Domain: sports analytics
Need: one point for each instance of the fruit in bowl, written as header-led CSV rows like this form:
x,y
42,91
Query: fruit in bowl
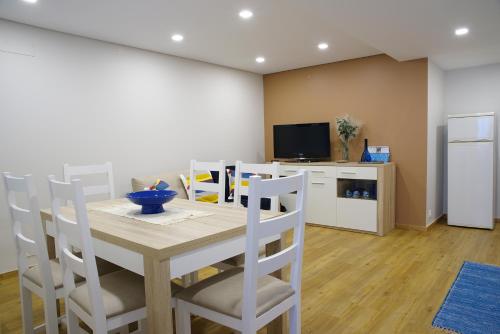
x,y
151,200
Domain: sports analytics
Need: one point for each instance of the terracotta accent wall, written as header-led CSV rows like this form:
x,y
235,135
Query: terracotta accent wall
x,y
388,97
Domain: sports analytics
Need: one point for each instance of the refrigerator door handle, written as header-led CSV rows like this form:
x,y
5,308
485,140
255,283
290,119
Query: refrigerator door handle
x,y
470,141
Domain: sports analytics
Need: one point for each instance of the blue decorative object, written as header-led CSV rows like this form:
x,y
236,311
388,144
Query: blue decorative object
x,y
162,185
365,157
366,194
348,193
151,200
159,185
380,153
473,301
356,194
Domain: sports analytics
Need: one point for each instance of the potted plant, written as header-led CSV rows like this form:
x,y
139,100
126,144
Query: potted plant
x,y
347,130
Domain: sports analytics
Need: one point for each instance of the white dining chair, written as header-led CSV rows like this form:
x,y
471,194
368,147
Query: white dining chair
x,y
107,190
193,186
106,303
45,278
218,188
241,188
70,172
246,299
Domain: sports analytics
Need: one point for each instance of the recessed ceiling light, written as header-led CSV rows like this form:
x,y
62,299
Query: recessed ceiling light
x,y
177,37
30,1
461,31
322,46
246,14
260,59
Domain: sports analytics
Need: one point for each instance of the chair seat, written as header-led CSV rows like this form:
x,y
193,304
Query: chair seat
x,y
33,274
122,292
224,293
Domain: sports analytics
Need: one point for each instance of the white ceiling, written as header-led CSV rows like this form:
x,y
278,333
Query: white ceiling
x,y
410,29
285,32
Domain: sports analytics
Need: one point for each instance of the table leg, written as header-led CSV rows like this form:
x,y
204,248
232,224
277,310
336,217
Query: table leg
x,y
158,295
277,325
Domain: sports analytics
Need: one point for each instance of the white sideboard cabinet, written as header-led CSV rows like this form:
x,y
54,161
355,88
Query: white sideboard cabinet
x,y
352,196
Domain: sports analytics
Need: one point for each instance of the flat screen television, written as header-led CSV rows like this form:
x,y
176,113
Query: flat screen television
x,y
309,141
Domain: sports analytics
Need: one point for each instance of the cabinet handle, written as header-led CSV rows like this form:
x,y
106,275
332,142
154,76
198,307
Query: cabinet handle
x,y
348,172
317,182
317,171
290,170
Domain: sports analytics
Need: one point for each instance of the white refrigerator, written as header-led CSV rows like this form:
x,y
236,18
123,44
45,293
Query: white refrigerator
x,y
471,170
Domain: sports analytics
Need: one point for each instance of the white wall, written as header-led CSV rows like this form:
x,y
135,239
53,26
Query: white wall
x,y
475,90
69,99
435,142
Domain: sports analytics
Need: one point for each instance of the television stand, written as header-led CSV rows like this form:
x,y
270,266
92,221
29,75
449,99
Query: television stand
x,y
351,196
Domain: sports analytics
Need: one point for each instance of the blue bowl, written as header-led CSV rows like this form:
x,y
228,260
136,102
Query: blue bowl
x,y
151,200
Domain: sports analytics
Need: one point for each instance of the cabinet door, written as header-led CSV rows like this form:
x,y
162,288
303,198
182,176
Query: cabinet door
x,y
322,201
357,214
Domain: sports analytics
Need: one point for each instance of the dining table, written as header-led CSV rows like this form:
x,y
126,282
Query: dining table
x,y
161,253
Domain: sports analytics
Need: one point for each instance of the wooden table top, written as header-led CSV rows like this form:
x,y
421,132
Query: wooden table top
x,y
164,241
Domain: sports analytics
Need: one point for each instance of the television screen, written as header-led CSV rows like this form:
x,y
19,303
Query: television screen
x,y
308,141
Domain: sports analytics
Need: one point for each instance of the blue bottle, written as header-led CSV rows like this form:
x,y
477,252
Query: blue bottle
x,y
365,157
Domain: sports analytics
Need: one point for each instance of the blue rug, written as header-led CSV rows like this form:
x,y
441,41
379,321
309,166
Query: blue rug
x,y
473,302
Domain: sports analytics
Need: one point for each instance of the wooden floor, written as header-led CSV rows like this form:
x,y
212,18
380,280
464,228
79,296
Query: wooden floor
x,y
356,283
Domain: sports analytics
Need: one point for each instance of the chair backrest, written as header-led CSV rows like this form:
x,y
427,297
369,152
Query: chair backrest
x,y
71,172
241,187
75,233
219,188
23,219
258,229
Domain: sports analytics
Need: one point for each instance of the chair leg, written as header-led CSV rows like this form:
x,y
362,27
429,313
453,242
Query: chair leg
x,y
249,330
59,307
294,319
51,318
142,326
193,277
186,281
190,279
72,322
26,310
182,318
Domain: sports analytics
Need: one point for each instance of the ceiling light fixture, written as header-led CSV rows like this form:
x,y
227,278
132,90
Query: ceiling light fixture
x,y
260,59
177,38
30,1
322,46
246,14
461,31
